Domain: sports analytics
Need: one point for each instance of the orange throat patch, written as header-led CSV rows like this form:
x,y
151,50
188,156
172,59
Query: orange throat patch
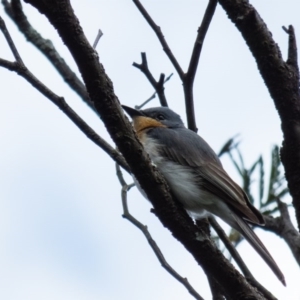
x,y
141,124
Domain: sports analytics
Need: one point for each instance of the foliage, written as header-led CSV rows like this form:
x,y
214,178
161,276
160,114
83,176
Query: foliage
x,y
255,178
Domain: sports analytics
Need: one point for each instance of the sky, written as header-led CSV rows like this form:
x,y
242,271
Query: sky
x,y
62,235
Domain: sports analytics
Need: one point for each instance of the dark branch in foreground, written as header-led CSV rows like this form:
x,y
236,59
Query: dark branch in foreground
x,y
282,81
152,243
61,15
15,11
158,85
236,256
216,290
19,67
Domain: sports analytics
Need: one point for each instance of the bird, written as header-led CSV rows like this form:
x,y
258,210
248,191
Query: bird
x,y
195,175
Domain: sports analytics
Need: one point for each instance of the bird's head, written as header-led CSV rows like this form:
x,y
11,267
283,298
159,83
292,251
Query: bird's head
x,y
153,117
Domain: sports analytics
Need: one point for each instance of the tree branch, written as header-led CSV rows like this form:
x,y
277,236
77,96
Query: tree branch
x,y
152,243
215,288
15,11
60,102
61,16
284,228
191,73
292,51
282,81
188,78
157,85
236,256
99,35
161,38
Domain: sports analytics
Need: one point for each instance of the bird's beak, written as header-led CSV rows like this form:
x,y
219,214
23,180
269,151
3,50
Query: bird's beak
x,y
133,113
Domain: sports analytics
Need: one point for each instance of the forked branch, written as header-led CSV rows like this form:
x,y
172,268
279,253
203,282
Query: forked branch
x,y
157,85
19,67
15,11
281,79
283,227
144,229
186,78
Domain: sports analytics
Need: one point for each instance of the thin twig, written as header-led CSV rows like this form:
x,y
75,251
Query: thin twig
x,y
146,101
19,67
15,11
292,51
229,246
99,35
188,78
10,42
236,256
158,85
215,287
161,38
208,15
145,231
191,73
152,96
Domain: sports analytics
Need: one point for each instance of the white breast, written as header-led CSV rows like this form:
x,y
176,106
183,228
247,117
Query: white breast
x,y
179,178
183,185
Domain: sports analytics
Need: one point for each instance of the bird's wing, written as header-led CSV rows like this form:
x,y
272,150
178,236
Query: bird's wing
x,y
214,179
189,149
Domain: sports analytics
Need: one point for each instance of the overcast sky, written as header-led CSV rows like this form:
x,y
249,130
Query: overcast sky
x,y
61,231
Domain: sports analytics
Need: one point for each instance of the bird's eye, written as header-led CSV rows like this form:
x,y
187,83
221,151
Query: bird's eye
x,y
160,117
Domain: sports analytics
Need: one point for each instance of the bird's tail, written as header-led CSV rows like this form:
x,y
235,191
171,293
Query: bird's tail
x,y
255,242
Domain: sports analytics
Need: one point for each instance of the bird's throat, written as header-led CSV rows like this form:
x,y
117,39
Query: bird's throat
x,y
142,123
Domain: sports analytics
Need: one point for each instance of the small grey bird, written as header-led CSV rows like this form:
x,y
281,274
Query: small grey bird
x,y
195,174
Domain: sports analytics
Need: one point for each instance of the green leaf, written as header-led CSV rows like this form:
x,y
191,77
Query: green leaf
x,y
261,179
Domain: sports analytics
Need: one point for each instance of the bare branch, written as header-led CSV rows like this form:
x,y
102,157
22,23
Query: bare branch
x,y
236,256
292,53
210,10
99,35
161,38
158,85
191,73
60,102
188,78
152,96
61,15
282,81
10,42
15,12
146,101
284,227
152,243
216,289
